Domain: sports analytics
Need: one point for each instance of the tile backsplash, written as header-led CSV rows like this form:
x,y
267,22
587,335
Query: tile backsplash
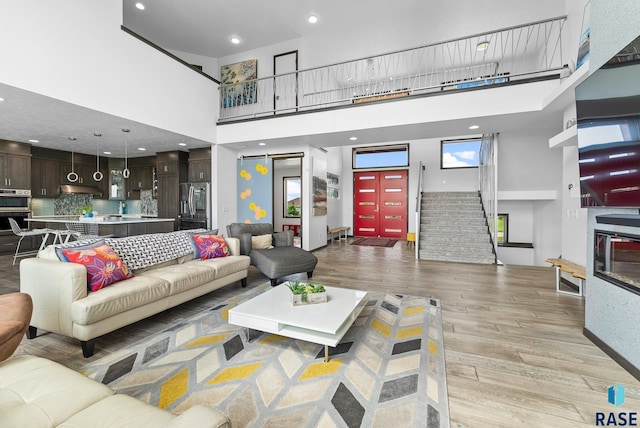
x,y
69,205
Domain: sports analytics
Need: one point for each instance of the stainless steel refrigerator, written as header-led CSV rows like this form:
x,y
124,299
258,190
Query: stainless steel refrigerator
x,y
195,206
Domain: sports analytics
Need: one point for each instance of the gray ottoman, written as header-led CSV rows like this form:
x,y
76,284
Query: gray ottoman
x,y
281,261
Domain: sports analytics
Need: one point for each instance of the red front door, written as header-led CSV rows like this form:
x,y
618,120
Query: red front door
x,y
380,204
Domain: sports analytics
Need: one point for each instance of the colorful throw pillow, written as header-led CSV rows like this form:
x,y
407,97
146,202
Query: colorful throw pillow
x,y
210,246
261,242
103,265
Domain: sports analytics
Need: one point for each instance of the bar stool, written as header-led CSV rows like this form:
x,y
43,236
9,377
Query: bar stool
x,y
15,228
60,236
84,230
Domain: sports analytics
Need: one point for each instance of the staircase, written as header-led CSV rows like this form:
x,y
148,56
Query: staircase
x,y
453,228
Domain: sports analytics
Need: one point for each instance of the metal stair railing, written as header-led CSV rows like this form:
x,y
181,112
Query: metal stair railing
x,y
418,217
488,184
481,60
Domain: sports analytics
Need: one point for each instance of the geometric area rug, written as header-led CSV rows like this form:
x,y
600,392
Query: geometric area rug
x,y
387,371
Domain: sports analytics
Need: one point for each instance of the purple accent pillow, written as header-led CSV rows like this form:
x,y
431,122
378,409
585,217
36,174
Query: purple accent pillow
x,y
210,246
103,265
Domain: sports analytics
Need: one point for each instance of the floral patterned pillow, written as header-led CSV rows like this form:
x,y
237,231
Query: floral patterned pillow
x,y
103,265
210,246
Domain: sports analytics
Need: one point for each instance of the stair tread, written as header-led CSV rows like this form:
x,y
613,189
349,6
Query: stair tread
x,y
453,227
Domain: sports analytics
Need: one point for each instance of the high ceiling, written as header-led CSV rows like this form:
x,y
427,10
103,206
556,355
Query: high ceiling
x,y
205,27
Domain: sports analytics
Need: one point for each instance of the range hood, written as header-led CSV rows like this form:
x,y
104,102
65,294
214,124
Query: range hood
x,y
79,189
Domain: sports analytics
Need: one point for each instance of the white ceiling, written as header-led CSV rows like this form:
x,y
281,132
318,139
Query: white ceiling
x,y
204,27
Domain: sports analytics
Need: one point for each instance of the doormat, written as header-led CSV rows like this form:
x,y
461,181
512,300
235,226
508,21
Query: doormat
x,y
375,242
388,370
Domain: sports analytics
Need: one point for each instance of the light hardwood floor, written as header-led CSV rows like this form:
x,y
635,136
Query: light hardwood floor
x,y
514,348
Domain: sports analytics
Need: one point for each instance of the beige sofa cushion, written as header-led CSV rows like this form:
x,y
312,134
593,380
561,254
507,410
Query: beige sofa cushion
x,y
118,298
224,266
182,277
36,392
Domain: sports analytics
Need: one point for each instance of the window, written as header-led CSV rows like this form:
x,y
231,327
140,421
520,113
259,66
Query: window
x,y
460,153
381,156
292,197
502,234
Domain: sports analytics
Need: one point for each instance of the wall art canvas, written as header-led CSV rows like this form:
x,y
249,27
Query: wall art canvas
x,y
319,168
238,86
255,190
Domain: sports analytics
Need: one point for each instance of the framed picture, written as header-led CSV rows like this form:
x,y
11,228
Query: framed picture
x,y
333,179
319,186
238,86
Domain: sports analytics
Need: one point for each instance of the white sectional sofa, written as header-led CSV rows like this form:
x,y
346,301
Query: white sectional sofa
x,y
165,270
38,393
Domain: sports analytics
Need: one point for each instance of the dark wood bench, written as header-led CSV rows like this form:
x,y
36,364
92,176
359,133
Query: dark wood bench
x,y
577,271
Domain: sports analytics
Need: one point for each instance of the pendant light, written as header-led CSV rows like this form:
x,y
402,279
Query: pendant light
x,y
97,176
72,177
125,171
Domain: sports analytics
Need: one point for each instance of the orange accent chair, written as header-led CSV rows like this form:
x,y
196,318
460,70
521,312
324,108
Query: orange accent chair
x,y
15,315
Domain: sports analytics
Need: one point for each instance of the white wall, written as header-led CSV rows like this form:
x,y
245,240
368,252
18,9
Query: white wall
x,y
75,51
224,187
368,36
315,229
209,65
527,167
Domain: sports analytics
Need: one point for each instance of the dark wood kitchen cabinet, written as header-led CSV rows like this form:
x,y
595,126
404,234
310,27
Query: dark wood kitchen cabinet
x,y
45,178
15,165
171,171
200,165
141,176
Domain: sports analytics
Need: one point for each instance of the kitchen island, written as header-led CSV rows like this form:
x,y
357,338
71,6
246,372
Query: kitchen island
x,y
112,225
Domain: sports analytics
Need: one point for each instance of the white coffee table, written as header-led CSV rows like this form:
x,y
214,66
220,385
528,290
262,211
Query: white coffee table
x,y
323,323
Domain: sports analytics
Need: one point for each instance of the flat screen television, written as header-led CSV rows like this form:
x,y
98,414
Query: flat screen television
x,y
608,116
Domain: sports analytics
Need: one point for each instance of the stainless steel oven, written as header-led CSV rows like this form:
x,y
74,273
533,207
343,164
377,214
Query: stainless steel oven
x,y
16,204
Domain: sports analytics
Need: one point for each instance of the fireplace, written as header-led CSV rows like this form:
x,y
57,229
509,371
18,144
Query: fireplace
x,y
616,259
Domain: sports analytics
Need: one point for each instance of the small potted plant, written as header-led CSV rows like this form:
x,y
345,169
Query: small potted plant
x,y
86,210
306,293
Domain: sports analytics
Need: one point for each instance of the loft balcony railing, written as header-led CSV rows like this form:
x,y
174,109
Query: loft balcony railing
x,y
483,60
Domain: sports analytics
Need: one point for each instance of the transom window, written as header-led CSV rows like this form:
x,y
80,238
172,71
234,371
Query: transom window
x,y
381,156
460,153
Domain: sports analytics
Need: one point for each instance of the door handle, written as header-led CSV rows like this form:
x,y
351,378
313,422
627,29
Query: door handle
x,y
377,208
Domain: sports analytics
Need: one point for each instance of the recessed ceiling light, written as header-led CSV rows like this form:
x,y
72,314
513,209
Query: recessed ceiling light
x,y
142,149
312,19
34,141
106,153
140,6
262,144
1,99
353,138
474,127
235,40
482,46
182,144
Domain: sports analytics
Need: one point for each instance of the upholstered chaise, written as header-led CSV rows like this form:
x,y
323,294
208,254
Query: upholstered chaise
x,y
281,260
